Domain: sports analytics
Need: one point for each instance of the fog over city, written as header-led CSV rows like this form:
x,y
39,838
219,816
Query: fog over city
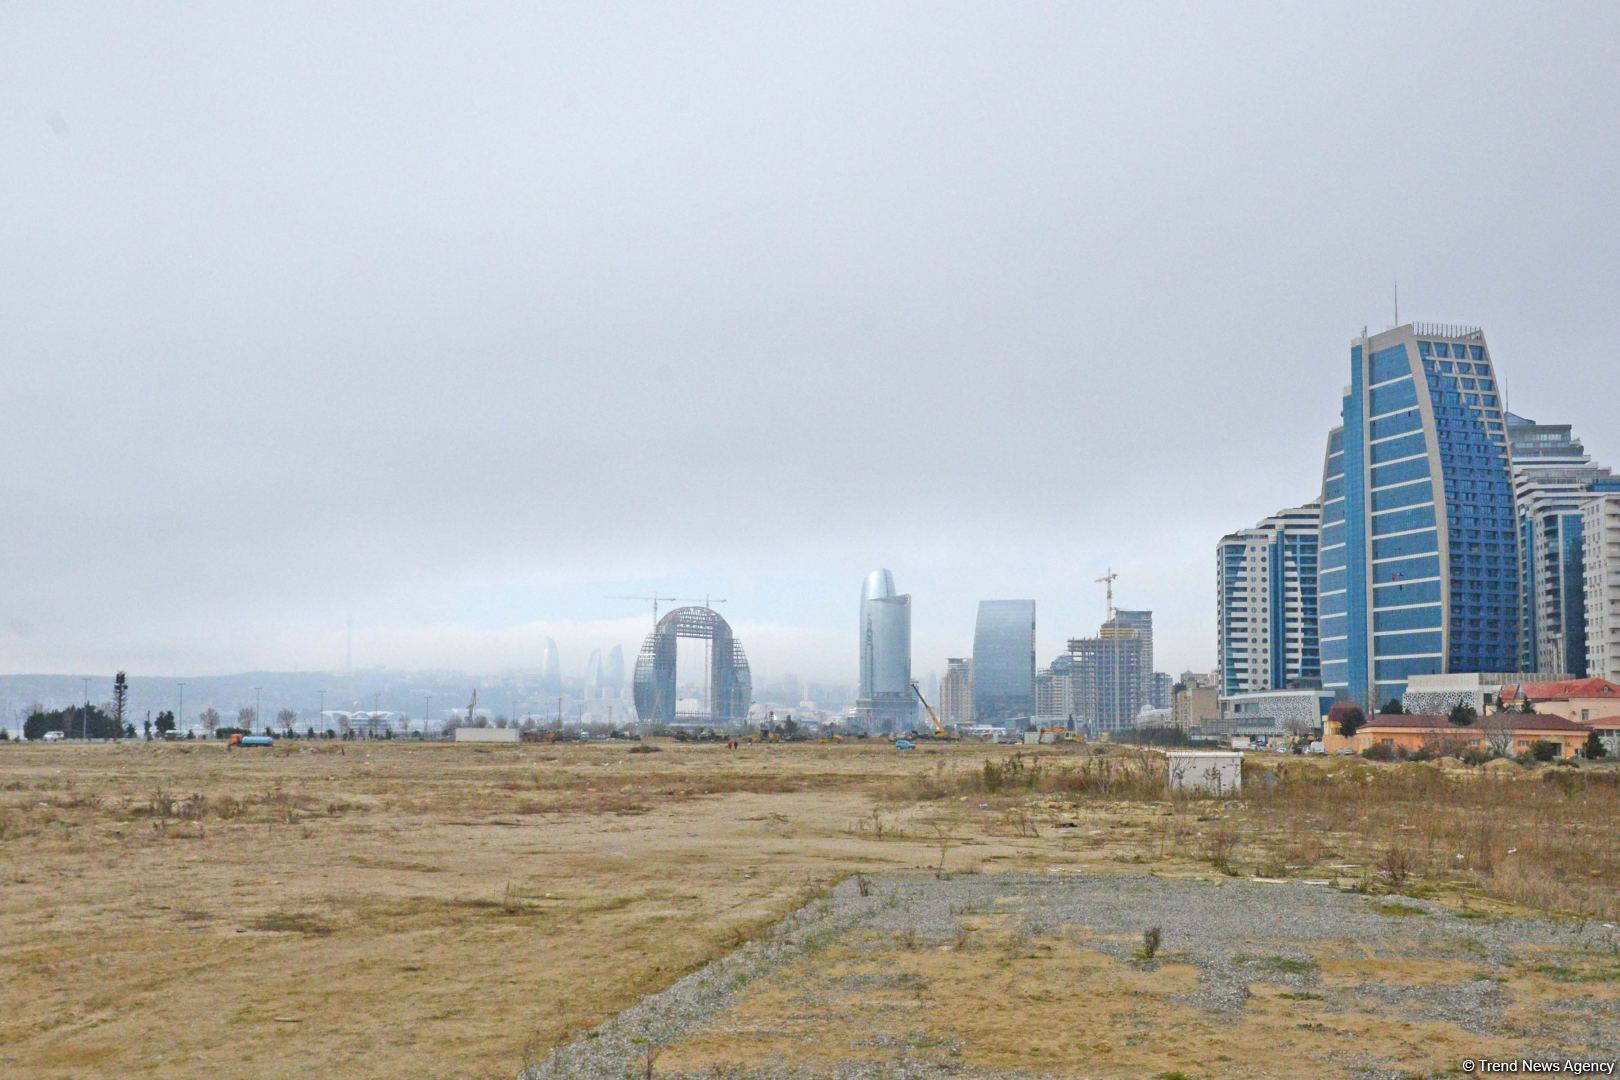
x,y
459,321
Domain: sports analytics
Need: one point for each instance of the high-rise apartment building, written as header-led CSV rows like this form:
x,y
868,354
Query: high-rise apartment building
x,y
1111,674
886,702
1004,661
1266,589
1054,698
1419,543
1601,574
1553,477
1142,622
1161,687
956,691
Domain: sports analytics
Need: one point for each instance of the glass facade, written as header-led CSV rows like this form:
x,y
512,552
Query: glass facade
x,y
1004,661
1419,548
1552,478
886,702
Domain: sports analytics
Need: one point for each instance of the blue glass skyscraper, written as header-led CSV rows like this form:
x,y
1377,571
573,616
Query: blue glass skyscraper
x,y
1004,661
1419,549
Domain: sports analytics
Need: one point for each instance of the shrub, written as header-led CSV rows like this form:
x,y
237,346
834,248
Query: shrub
x,y
1396,865
1544,750
1463,715
1379,752
1151,938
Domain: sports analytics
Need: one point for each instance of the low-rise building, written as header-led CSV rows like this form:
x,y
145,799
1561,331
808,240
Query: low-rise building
x,y
1507,733
1478,690
1274,712
1581,700
1196,700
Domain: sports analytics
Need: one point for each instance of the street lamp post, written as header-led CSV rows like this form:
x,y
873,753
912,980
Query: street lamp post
x,y
180,710
258,714
84,726
322,716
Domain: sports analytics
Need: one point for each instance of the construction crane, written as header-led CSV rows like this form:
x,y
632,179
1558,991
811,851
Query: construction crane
x,y
933,717
1108,579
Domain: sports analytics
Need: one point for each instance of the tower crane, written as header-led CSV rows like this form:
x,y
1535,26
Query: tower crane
x,y
1108,579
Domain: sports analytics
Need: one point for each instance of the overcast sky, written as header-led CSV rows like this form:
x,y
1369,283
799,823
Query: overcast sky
x,y
461,318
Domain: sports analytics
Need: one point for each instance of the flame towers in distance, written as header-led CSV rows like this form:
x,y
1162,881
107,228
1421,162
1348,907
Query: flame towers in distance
x,y
885,702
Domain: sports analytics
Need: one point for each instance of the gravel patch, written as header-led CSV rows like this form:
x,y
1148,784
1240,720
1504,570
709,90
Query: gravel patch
x,y
1236,933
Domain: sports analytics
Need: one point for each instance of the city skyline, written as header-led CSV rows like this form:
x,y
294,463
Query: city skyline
x,y
420,338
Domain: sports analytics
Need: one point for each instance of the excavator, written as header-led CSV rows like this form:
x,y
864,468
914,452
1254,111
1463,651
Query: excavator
x,y
939,731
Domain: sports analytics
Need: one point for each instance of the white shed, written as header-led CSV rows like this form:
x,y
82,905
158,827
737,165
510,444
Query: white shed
x,y
1212,772
487,734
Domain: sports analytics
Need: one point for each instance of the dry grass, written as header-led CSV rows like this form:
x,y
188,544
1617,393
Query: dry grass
x,y
400,909
397,909
1542,839
1009,1004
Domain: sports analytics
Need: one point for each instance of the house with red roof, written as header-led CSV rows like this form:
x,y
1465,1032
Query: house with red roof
x,y
1507,732
1580,700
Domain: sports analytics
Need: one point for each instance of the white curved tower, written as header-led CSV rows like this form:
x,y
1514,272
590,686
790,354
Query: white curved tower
x,y
551,673
886,702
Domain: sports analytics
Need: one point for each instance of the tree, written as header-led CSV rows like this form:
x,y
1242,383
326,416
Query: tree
x,y
209,719
1392,707
287,718
1594,747
1463,714
1544,750
95,724
120,701
1498,728
1527,706
1347,717
146,727
165,722
129,730
246,717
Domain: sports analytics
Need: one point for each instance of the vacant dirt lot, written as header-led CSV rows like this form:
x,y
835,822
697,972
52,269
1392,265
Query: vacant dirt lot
x,y
400,910
443,911
991,977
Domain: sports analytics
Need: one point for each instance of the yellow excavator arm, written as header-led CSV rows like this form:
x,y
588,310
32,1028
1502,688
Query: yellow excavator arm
x,y
939,728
